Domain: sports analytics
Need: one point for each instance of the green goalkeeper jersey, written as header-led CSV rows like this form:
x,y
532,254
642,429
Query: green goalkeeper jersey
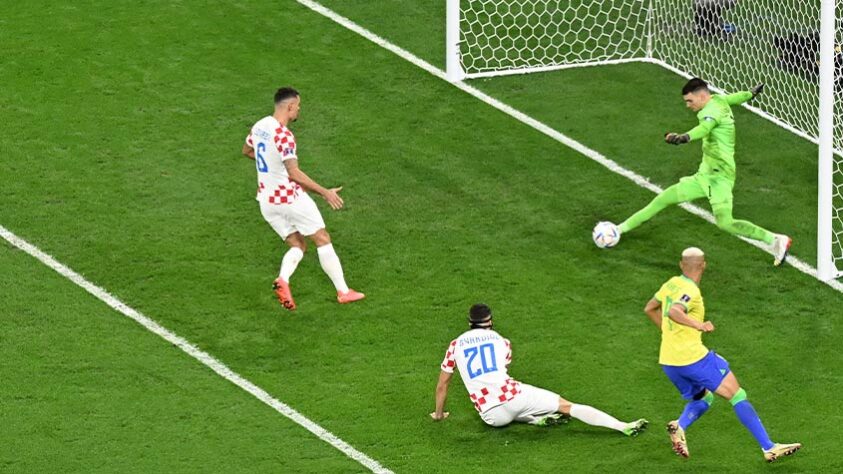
x,y
717,131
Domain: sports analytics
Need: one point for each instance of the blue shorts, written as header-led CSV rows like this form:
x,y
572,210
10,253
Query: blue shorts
x,y
706,373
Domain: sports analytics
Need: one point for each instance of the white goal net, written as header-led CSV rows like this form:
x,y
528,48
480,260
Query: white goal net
x,y
510,36
732,44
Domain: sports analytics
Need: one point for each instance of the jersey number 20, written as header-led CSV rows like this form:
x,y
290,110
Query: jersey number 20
x,y
262,168
488,363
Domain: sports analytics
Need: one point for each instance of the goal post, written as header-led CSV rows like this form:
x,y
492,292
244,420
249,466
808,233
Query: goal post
x,y
453,63
791,45
826,212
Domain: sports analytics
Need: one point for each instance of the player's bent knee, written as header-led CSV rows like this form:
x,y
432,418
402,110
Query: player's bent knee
x,y
564,406
321,237
723,218
739,396
725,223
296,240
706,396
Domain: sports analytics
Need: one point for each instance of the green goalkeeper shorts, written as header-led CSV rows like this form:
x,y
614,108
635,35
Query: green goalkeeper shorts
x,y
717,189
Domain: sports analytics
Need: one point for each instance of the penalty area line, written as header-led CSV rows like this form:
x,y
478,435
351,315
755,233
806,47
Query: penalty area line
x,y
206,359
544,128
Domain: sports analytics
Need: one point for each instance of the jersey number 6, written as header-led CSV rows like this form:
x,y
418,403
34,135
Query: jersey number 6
x,y
262,168
485,367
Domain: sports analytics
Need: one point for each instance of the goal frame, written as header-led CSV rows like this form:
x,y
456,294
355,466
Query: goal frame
x,y
826,267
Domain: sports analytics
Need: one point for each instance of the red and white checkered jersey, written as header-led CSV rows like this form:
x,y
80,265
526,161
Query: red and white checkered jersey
x,y
274,144
482,357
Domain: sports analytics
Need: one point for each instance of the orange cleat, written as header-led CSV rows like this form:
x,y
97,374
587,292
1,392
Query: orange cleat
x,y
282,291
349,296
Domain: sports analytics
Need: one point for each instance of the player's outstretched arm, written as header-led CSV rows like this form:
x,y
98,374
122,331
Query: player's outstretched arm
x,y
678,315
441,395
296,174
653,309
744,96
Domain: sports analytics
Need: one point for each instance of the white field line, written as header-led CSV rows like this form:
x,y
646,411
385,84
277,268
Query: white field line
x,y
541,127
221,369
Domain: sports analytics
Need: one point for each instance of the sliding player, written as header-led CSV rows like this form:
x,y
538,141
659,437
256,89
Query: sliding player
x,y
482,357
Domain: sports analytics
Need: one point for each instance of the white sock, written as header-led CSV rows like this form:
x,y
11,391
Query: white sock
x,y
331,265
595,417
290,262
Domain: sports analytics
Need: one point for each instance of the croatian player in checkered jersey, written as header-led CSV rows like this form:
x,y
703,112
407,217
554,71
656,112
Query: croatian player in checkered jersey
x,y
482,357
285,205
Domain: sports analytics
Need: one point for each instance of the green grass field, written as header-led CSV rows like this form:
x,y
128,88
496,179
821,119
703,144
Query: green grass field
x,y
122,125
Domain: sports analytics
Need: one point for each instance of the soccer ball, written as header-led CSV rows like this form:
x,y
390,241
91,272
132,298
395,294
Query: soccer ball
x,y
606,235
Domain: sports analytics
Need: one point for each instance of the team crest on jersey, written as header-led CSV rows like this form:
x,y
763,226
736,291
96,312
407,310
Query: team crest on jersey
x,y
685,299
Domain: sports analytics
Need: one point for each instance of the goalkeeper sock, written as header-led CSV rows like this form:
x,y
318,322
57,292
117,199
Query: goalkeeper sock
x,y
331,265
748,229
746,413
694,410
595,417
726,222
668,197
290,262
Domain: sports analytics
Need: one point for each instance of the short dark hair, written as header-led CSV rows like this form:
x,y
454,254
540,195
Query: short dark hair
x,y
694,85
285,93
480,316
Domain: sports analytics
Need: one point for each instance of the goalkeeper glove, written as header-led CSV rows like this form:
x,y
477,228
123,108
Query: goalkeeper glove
x,y
757,90
676,138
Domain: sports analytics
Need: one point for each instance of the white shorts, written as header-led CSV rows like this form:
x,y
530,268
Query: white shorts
x,y
301,216
529,406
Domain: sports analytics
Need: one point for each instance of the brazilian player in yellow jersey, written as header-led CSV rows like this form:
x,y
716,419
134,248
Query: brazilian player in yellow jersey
x,y
697,372
716,175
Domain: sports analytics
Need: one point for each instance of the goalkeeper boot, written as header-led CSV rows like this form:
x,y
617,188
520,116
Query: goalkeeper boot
x,y
781,245
677,437
636,427
781,450
282,291
552,420
349,296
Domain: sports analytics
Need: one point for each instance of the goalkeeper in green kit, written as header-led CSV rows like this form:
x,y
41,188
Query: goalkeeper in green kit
x,y
716,176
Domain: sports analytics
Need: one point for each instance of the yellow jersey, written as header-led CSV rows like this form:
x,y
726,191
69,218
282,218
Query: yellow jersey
x,y
681,345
